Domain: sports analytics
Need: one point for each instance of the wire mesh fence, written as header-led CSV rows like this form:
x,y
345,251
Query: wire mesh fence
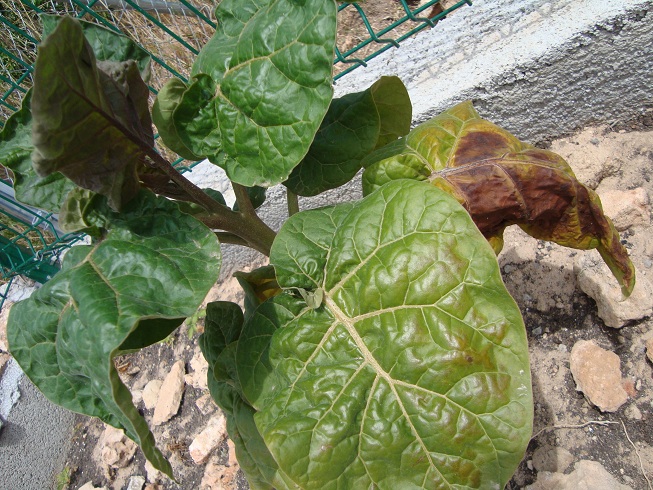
x,y
173,32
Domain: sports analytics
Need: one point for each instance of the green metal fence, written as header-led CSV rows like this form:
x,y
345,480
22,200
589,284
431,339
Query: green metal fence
x,y
173,32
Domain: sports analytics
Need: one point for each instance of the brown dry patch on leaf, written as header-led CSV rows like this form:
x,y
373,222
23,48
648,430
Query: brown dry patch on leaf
x,y
502,181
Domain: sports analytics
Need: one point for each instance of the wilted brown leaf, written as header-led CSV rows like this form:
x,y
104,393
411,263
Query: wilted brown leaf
x,y
502,181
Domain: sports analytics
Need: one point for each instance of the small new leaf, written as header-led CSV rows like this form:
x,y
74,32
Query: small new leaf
x,y
313,299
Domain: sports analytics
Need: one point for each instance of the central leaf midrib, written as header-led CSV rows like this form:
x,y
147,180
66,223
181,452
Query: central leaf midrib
x,y
371,361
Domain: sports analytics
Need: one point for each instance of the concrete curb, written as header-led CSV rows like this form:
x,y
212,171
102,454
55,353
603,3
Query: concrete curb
x,y
540,69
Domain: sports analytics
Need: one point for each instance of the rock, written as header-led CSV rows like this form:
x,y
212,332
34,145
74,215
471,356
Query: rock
x,y
232,460
200,370
209,439
116,449
649,349
552,459
153,486
4,316
137,396
629,386
89,486
633,412
170,394
626,208
218,477
136,483
596,280
150,393
598,375
205,404
587,475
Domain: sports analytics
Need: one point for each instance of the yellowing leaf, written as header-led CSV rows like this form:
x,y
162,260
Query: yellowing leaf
x,y
502,181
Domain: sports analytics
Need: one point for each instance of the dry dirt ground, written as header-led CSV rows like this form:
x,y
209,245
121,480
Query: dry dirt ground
x,y
542,278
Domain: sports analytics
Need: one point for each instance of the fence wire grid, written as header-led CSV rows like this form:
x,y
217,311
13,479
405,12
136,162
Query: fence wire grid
x,y
173,32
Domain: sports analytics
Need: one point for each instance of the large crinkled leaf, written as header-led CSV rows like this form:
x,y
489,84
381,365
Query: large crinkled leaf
x,y
261,87
413,372
131,290
16,154
354,125
90,120
502,181
107,44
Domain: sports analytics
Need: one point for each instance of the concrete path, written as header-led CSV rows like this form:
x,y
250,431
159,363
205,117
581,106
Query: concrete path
x,y
35,436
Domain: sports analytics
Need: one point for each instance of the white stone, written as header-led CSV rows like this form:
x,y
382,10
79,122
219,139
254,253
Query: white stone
x,y
136,483
209,439
598,375
197,379
626,208
150,393
633,412
596,280
649,349
587,475
116,449
170,394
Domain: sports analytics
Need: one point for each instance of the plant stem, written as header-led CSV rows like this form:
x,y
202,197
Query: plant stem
x,y
226,237
245,224
242,198
293,202
196,194
243,229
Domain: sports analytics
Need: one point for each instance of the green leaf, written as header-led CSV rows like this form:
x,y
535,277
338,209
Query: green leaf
x,y
107,44
166,102
222,326
354,125
131,290
90,120
194,119
16,154
76,210
502,181
224,323
414,372
256,196
262,85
